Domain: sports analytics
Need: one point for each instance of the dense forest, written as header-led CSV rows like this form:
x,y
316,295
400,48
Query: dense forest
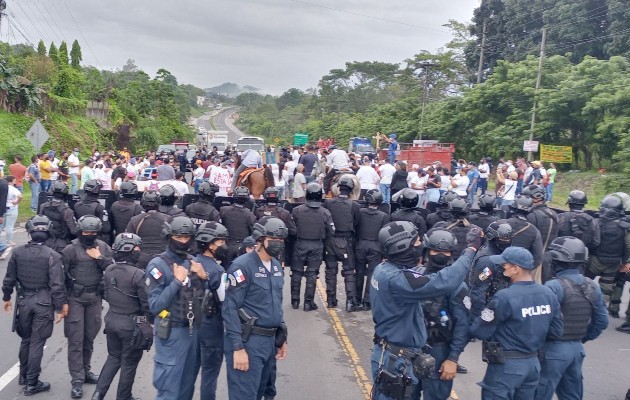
x,y
584,100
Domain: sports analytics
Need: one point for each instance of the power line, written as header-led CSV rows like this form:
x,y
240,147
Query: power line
x,y
369,16
82,35
47,22
41,24
30,20
11,24
18,22
53,20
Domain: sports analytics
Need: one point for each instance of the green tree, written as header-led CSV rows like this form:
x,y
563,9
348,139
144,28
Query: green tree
x,y
53,53
63,54
41,48
75,55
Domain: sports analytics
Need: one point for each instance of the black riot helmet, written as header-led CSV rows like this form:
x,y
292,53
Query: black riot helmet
x,y
168,195
271,228
126,242
522,204
345,183
577,199
397,237
150,200
241,194
314,195
92,187
440,239
39,223
446,198
271,195
534,191
408,198
611,207
211,231
374,196
208,190
487,201
89,223
500,230
568,249
458,207
180,226
59,189
128,189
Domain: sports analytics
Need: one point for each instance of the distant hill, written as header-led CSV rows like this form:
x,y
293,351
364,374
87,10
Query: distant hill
x,y
230,89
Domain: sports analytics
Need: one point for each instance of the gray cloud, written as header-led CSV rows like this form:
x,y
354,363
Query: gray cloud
x,y
270,44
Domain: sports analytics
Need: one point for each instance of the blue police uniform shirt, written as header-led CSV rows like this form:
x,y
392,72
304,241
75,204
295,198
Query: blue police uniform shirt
x,y
482,274
215,272
599,319
396,293
256,290
520,317
162,286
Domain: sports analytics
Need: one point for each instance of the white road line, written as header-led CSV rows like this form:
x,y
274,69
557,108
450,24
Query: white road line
x,y
10,374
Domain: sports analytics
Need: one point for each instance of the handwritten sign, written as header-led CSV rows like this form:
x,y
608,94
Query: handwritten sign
x,y
556,154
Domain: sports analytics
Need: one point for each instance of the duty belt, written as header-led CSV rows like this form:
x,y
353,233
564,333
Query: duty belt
x,y
392,348
518,354
90,289
344,234
260,331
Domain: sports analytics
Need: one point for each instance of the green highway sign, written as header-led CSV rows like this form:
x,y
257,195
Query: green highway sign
x,y
300,138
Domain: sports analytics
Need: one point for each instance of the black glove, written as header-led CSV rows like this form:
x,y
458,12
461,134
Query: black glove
x,y
474,238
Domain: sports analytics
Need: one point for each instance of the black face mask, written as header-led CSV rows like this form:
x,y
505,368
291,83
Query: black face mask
x,y
39,237
87,240
408,258
221,251
181,249
274,248
128,257
501,245
440,259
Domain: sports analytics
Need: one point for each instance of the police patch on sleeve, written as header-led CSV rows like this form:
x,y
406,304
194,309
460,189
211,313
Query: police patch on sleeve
x,y
147,282
487,315
485,274
232,280
156,273
467,302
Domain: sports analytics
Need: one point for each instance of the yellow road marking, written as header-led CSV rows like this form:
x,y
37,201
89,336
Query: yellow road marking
x,y
363,380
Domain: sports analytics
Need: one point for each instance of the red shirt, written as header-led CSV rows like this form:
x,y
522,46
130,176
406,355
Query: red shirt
x,y
18,171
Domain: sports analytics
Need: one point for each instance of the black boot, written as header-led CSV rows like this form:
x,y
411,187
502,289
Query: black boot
x,y
309,305
295,304
91,377
367,306
98,396
461,369
22,380
613,313
331,301
36,387
352,306
625,327
77,391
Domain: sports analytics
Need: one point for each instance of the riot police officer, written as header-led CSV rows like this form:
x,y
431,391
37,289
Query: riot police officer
x,y
541,216
339,247
487,211
91,206
203,210
37,273
84,261
176,288
398,362
445,317
577,223
168,197
128,310
314,224
64,225
271,209
149,227
239,222
211,238
458,224
126,208
408,200
442,213
613,251
367,250
486,278
526,235
584,316
515,324
255,333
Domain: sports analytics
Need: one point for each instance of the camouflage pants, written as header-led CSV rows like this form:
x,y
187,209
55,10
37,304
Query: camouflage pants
x,y
606,272
615,297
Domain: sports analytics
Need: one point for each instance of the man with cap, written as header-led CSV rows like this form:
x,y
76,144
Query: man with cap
x,y
73,170
585,318
248,245
535,177
249,159
392,148
515,325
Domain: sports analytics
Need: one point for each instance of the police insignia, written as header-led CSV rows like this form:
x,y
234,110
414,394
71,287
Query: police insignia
x,y
232,280
485,274
239,276
147,282
487,315
467,302
155,273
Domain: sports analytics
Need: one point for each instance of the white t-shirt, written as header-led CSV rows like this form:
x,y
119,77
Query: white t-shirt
x,y
462,183
180,186
387,173
368,177
338,159
290,166
12,196
55,164
221,177
484,170
72,159
510,189
104,177
199,173
298,191
419,181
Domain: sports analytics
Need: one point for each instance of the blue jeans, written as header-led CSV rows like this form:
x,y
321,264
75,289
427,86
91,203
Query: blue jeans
x,y
392,158
386,192
34,195
471,195
44,184
9,222
197,183
75,183
483,185
550,191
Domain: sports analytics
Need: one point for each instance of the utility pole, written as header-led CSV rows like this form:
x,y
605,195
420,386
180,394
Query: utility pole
x,y
425,66
530,154
483,46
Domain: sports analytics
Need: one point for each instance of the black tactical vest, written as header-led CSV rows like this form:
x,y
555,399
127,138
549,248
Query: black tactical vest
x,y
120,292
436,333
150,230
83,268
546,220
310,223
409,216
577,308
341,211
171,211
122,212
268,211
187,296
32,264
612,240
236,220
370,223
202,212
55,212
434,218
86,207
483,219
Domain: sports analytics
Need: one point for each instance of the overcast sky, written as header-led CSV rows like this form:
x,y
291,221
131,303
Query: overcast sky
x,y
270,44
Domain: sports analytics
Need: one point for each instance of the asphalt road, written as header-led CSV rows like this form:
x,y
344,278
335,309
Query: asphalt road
x,y
224,121
329,358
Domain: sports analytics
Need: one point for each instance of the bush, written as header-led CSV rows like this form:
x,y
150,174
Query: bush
x,y
18,146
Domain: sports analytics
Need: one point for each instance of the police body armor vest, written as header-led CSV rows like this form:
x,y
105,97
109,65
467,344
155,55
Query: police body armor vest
x,y
434,218
55,212
370,224
151,232
436,333
483,219
577,308
83,268
341,211
612,240
547,224
268,211
200,212
460,231
193,293
33,263
310,223
122,212
171,211
120,292
407,215
236,220
86,207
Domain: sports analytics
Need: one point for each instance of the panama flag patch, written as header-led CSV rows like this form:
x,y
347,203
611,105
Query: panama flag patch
x,y
240,278
156,274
